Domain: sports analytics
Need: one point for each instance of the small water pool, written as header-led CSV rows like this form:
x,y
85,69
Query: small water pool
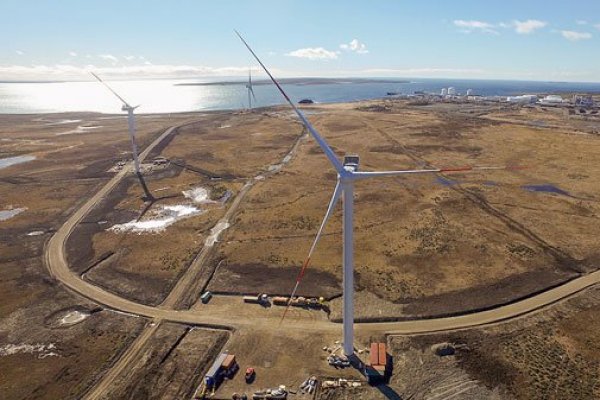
x,y
546,188
7,162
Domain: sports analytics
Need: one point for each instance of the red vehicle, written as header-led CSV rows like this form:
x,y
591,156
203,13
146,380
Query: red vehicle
x,y
250,374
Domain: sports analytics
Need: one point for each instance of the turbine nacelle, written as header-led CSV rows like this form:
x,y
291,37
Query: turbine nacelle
x,y
351,162
127,107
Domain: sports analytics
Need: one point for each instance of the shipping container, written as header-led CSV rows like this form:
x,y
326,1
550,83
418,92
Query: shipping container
x,y
228,362
382,354
374,354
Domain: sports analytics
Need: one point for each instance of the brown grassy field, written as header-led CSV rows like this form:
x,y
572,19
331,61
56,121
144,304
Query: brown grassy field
x,y
438,243
425,245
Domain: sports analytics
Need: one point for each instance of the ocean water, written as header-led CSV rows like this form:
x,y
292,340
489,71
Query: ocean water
x,y
164,96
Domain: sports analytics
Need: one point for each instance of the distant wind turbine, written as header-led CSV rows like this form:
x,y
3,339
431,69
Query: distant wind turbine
x,y
250,90
130,121
347,174
131,125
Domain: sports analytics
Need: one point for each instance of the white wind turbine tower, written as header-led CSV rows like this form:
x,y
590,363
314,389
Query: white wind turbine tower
x,y
250,90
130,121
347,174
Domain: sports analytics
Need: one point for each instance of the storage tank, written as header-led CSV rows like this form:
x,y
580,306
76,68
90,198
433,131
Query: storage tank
x,y
444,91
469,92
451,91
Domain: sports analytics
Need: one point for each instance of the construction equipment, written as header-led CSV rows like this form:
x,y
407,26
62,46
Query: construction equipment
x,y
338,361
279,393
250,375
225,366
205,298
309,385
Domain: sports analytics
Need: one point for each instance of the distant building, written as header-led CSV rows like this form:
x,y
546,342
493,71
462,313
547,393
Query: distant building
x,y
451,91
469,92
525,99
552,99
444,92
583,100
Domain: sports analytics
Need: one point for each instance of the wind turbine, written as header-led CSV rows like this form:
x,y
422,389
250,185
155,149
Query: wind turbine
x,y
347,173
130,121
250,90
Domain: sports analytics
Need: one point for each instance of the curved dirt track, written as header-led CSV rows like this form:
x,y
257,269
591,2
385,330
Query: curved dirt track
x,y
57,265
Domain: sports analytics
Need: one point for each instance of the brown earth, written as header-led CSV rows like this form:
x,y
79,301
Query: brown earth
x,y
171,364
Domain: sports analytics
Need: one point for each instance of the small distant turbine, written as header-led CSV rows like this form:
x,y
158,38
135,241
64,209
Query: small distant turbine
x,y
131,123
250,90
347,173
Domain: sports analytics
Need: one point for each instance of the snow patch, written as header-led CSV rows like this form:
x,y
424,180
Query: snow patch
x,y
215,232
36,233
79,129
74,317
197,195
42,350
158,221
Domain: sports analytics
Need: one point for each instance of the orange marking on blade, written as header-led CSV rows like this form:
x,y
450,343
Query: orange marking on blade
x,y
457,169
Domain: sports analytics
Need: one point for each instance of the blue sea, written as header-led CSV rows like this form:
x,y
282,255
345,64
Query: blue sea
x,y
166,96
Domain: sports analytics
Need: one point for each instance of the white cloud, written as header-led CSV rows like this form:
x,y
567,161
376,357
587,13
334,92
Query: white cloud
x,y
109,57
313,53
470,26
129,58
355,46
597,26
432,71
529,26
68,71
19,52
72,54
575,36
581,22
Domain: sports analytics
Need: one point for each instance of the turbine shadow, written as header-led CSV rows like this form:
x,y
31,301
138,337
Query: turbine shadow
x,y
147,195
383,386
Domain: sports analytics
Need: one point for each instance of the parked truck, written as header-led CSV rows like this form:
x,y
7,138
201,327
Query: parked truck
x,y
262,299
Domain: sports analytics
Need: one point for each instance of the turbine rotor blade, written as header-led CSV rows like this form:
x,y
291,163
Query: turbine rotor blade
x,y
322,143
334,198
468,168
111,89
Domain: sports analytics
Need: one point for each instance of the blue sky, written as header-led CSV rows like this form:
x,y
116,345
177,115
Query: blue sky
x,y
532,40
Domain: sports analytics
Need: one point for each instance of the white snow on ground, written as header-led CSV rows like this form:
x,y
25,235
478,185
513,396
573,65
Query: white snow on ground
x,y
197,195
79,129
36,233
8,214
42,350
159,220
215,232
62,121
74,317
